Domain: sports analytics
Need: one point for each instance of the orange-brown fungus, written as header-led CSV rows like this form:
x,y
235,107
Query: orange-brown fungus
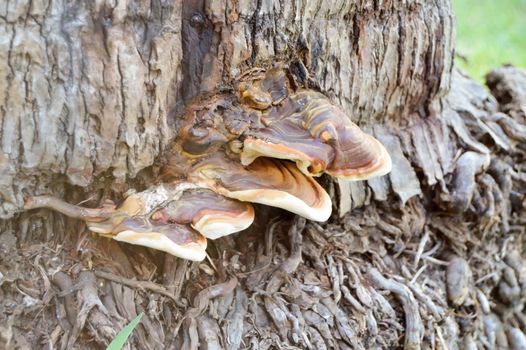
x,y
261,143
176,239
266,181
209,213
307,129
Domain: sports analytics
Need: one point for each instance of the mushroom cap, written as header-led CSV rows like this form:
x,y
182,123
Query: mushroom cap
x,y
286,140
216,225
259,89
359,158
122,225
209,213
178,240
309,130
266,181
234,149
133,206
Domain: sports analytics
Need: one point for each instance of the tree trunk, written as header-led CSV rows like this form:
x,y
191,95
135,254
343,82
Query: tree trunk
x,y
429,256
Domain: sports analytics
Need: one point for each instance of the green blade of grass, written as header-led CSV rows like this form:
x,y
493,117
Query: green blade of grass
x,y
120,339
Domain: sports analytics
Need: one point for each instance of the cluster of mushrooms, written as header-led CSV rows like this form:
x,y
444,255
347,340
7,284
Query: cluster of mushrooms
x,y
264,143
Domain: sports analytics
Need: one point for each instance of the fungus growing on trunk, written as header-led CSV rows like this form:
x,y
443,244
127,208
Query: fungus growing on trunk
x,y
176,239
211,214
309,130
129,223
262,144
266,181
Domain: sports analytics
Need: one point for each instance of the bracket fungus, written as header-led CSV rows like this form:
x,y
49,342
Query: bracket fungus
x,y
265,142
209,213
309,130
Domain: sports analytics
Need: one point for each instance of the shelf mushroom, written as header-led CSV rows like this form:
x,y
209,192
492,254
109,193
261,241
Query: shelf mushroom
x,y
319,138
263,144
179,228
266,181
211,214
175,239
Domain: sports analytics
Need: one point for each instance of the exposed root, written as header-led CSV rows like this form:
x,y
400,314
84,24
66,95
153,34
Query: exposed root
x,y
74,211
414,329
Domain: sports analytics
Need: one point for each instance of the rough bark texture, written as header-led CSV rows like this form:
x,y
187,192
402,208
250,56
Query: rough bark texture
x,y
87,87
430,256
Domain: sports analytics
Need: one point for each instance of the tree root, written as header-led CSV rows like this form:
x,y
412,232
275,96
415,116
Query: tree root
x,y
414,329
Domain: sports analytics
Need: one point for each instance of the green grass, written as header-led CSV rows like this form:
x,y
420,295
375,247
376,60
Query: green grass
x,y
120,339
490,33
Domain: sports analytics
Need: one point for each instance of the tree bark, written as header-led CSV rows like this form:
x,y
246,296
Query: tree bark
x,y
88,87
429,256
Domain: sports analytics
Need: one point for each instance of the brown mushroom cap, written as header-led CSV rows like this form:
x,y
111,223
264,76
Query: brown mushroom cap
x,y
359,156
178,240
135,205
285,140
266,181
240,148
129,224
309,130
209,213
